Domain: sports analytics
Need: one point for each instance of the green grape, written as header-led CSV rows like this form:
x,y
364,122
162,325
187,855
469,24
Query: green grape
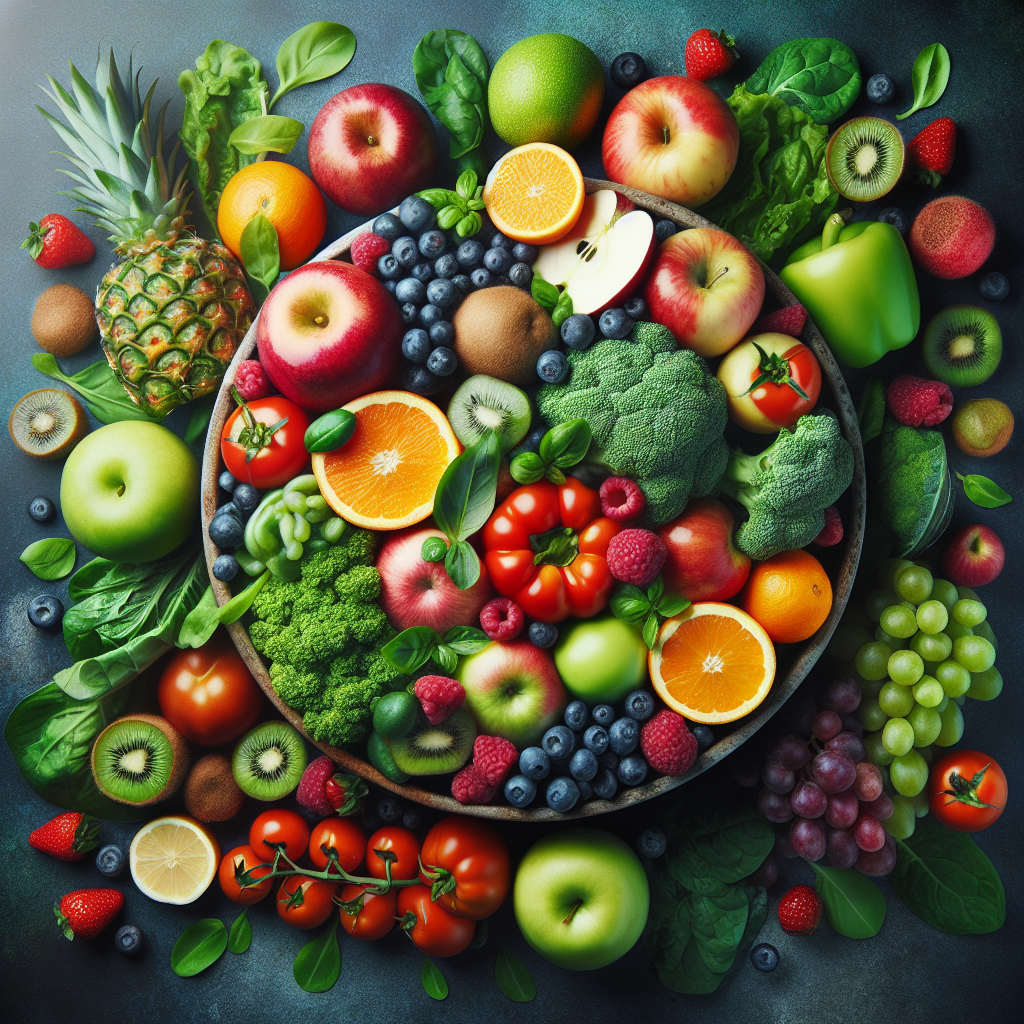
x,y
968,612
871,715
871,687
875,750
872,660
944,591
966,594
932,616
986,685
954,630
905,667
952,725
983,629
895,700
941,706
927,725
975,653
903,819
909,773
931,647
895,642
877,601
887,574
961,700
847,640
898,736
928,692
955,679
898,620
921,807
928,753
913,583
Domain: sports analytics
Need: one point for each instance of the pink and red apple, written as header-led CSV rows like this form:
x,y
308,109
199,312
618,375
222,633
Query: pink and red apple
x,y
706,288
328,333
673,137
973,556
371,146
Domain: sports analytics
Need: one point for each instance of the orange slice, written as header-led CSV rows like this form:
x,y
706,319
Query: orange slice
x,y
535,193
713,663
174,859
384,478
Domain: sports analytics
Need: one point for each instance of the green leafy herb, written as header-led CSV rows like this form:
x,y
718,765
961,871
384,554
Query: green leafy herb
x,y
513,978
854,905
930,76
414,647
240,935
984,492
202,410
318,965
562,310
631,604
51,558
544,293
433,980
458,209
268,133
101,391
261,254
871,413
199,946
202,621
561,447
316,51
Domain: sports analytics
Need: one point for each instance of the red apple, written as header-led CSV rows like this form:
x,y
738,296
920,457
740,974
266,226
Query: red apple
x,y
973,556
603,260
674,137
706,288
371,146
328,333
703,564
414,592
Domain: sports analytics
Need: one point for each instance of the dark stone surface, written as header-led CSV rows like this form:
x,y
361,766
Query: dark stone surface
x,y
908,973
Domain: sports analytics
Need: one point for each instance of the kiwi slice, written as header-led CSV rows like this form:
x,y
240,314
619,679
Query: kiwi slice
x,y
864,158
485,405
962,346
48,423
211,793
435,749
139,760
269,761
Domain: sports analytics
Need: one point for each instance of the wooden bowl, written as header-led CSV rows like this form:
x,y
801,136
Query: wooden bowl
x,y
794,662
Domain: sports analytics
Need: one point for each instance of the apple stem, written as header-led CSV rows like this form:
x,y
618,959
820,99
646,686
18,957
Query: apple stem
x,y
572,913
723,271
664,134
371,140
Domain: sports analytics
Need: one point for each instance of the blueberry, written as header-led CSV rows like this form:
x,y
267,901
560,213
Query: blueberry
x,y
128,939
543,634
389,268
45,612
523,253
420,381
442,293
897,218
417,214
388,226
578,331
389,810
446,265
534,763
652,843
498,261
994,287
576,715
610,760
628,69
390,285
605,784
632,770
880,89
246,498
596,739
430,315
665,229
552,366
558,741
481,277
703,735
410,311
583,765
500,241
442,361
229,508
603,714
416,345
432,243
412,818
423,272
406,251
227,482
225,568
463,283
765,957
442,333
520,275
470,254
42,510
110,861
586,791
615,324
530,443
623,736
636,308
520,791
226,532
639,705
411,290
562,794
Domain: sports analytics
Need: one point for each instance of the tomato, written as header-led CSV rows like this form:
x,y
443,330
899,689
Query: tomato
x,y
467,862
345,836
245,858
282,454
279,826
374,914
305,902
545,548
967,791
430,926
401,842
208,694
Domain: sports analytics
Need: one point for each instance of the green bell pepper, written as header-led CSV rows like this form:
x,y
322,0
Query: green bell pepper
x,y
858,285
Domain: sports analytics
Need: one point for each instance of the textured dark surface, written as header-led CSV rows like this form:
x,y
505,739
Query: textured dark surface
x,y
907,973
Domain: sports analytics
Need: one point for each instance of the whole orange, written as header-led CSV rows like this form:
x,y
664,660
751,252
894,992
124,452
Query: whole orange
x,y
284,195
789,595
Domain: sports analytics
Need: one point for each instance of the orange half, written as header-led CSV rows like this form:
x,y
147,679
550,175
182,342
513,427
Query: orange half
x,y
713,663
384,478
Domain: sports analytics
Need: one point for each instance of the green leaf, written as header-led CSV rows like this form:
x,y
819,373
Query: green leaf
x,y
466,184
462,564
51,558
854,905
717,924
411,649
650,630
672,605
202,621
469,225
513,978
199,946
725,844
448,217
440,198
930,76
464,499
240,935
545,294
202,410
268,133
630,603
102,392
466,639
433,980
318,965
566,444
984,492
871,414
261,253
445,658
316,51
527,468
562,310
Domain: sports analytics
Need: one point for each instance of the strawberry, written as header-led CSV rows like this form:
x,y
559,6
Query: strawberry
x,y
84,913
707,55
67,837
56,242
800,911
788,320
931,151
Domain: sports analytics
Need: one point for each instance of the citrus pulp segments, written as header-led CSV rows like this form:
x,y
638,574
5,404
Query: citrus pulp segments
x,y
173,859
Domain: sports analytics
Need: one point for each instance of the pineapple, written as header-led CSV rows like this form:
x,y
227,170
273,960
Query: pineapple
x,y
174,308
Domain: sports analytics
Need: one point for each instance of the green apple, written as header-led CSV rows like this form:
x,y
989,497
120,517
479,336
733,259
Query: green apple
x,y
601,660
130,491
581,898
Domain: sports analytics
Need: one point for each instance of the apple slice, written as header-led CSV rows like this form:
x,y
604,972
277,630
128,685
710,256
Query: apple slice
x,y
603,260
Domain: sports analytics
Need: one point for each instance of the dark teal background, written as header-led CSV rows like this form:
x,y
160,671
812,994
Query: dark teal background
x,y
909,972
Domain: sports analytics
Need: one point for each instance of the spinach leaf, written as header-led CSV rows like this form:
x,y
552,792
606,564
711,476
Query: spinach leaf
x,y
240,936
854,905
101,391
513,978
979,489
318,965
199,946
717,924
261,255
51,558
268,133
722,844
205,616
316,51
930,76
871,412
946,880
433,980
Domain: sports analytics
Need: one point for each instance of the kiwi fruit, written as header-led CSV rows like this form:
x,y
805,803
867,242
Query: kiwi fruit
x,y
982,427
211,793
269,761
484,405
139,760
435,749
864,158
962,346
64,320
48,423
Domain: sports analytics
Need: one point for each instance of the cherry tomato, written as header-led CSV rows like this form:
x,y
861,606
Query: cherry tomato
x,y
470,860
401,842
430,926
345,836
309,910
245,858
967,791
279,826
208,694
374,915
284,455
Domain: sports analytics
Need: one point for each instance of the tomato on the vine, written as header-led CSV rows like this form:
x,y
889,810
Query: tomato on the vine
x,y
466,864
367,915
280,447
243,858
967,791
345,836
279,825
399,841
430,926
305,902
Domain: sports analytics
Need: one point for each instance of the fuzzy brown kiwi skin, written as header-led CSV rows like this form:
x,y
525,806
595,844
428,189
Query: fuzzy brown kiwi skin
x,y
211,793
179,765
64,320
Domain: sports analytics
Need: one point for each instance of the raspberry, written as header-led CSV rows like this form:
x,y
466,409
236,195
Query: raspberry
x,y
800,911
494,758
832,532
622,499
919,403
251,380
440,696
471,787
310,793
636,556
668,745
366,249
502,619
788,320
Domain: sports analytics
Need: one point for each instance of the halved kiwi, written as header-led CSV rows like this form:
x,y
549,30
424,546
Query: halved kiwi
x,y
139,760
48,423
485,405
864,158
269,761
435,749
211,793
962,346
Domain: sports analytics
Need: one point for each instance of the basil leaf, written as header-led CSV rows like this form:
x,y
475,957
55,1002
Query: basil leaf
x,y
982,491
51,558
629,603
871,414
268,133
202,621
466,184
199,945
544,293
202,410
318,965
469,225
563,446
464,499
449,216
462,565
433,980
650,630
261,254
102,392
445,658
439,198
513,978
854,905
717,924
240,935
527,468
411,649
672,605
466,639
316,51
930,76
562,310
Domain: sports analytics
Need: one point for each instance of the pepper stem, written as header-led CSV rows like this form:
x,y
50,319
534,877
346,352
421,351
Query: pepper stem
x,y
833,226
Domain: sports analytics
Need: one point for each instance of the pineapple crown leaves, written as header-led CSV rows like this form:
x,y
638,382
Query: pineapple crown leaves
x,y
125,181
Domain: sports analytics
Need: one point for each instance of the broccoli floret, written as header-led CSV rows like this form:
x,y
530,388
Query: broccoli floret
x,y
656,412
789,485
